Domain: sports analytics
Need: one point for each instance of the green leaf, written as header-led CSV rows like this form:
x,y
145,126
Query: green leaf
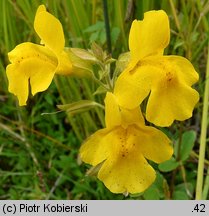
x,y
96,27
168,165
152,193
157,190
102,37
187,144
115,34
94,37
180,195
183,191
100,90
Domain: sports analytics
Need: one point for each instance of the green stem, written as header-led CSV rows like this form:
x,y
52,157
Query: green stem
x,y
206,187
175,15
203,135
202,17
100,83
178,158
108,78
107,26
196,156
119,10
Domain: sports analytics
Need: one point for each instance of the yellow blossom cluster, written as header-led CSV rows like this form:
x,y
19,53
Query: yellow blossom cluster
x,y
35,63
124,146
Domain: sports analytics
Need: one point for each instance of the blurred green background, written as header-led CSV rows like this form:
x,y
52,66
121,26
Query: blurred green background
x,y
39,153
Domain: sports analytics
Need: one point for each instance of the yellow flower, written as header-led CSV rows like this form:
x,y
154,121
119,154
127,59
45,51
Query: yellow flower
x,y
166,79
38,64
122,147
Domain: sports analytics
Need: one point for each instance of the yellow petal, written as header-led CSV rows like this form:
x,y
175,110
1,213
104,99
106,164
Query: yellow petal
x,y
122,152
168,78
49,30
154,144
30,61
119,116
42,78
18,83
29,51
97,147
132,87
126,170
65,66
173,103
131,116
112,111
41,8
133,174
149,36
184,69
